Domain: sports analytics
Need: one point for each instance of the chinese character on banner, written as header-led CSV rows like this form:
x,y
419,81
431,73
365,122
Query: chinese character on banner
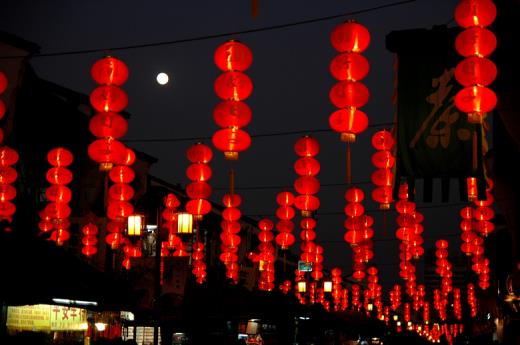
x,y
434,140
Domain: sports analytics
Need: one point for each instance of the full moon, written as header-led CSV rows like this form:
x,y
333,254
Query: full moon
x,y
162,78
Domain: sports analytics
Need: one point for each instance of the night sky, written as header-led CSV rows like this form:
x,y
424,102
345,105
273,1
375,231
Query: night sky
x,y
291,85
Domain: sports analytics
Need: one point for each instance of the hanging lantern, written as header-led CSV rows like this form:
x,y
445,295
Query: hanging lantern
x,y
349,94
232,86
107,125
307,185
475,72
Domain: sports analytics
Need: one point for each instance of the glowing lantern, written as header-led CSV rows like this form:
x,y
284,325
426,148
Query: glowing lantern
x,y
231,142
232,86
233,56
350,37
475,70
470,13
184,223
109,71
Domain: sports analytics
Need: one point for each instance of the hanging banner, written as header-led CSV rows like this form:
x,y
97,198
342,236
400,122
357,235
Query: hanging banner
x,y
434,139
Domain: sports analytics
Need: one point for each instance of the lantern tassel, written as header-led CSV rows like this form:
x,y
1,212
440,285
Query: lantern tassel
x,y
385,224
231,181
254,8
475,158
349,173
284,261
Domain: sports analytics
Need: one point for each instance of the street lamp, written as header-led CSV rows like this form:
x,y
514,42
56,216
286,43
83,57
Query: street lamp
x,y
302,286
327,286
184,223
135,225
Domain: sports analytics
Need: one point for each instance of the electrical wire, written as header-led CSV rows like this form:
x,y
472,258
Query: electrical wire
x,y
259,135
219,35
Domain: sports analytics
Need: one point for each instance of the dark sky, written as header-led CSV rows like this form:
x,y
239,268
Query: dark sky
x,y
291,85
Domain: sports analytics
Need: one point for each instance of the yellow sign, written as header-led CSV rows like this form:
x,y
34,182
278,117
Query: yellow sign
x,y
46,318
29,318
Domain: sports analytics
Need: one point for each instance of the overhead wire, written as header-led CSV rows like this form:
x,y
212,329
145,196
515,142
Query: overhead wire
x,y
218,35
259,135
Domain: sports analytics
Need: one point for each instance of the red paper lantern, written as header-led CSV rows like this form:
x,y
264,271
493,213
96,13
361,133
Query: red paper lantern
x,y
383,159
470,13
476,41
120,191
3,82
382,140
3,110
8,156
354,195
266,224
7,175
121,174
475,70
231,141
106,152
235,86
232,114
284,240
350,37
7,192
233,56
231,200
109,70
476,99
59,175
58,193
346,94
349,122
307,166
198,190
198,207
199,172
199,153
307,202
108,125
307,185
59,157
349,66
307,147
119,209
108,98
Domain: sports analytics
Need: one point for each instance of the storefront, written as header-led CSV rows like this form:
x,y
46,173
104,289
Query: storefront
x,y
62,324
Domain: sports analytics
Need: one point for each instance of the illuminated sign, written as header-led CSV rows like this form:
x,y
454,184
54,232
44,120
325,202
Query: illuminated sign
x,y
304,266
46,318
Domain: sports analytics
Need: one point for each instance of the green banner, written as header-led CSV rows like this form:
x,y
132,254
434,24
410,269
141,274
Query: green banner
x,y
434,139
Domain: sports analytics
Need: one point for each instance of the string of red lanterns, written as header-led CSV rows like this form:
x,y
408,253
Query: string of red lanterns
x,y
384,161
230,235
350,39
266,257
199,172
232,87
285,226
475,72
119,207
90,239
108,99
58,194
8,158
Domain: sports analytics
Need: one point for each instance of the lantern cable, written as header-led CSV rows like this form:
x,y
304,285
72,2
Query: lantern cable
x,y
225,34
260,135
336,213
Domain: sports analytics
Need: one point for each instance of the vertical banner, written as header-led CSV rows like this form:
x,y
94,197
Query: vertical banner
x,y
434,139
